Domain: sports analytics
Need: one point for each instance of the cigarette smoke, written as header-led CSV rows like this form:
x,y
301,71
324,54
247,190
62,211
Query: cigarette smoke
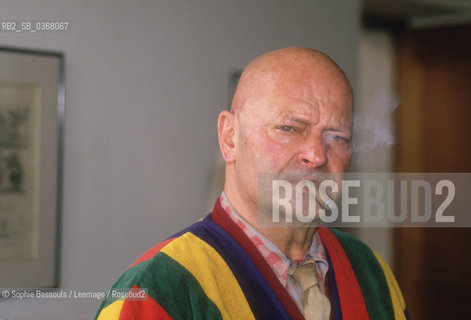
x,y
373,126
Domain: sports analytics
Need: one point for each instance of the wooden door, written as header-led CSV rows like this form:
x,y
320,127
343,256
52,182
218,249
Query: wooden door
x,y
433,266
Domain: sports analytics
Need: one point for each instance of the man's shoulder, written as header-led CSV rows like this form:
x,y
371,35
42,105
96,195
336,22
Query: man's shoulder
x,y
177,242
152,252
158,271
183,277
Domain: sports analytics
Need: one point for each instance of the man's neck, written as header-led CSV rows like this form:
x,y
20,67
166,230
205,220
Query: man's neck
x,y
294,242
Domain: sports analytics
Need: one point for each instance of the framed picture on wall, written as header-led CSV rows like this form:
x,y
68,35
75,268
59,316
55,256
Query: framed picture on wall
x,y
31,131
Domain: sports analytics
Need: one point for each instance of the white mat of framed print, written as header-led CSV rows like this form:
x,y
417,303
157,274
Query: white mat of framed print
x,y
31,125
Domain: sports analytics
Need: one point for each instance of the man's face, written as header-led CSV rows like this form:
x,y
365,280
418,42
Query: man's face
x,y
298,124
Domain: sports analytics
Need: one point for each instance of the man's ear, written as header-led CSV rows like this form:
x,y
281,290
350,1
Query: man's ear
x,y
227,135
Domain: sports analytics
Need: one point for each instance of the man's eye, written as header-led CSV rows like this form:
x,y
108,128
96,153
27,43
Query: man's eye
x,y
286,128
339,138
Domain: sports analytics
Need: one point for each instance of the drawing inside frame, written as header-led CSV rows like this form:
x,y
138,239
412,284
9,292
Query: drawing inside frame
x,y
31,129
19,170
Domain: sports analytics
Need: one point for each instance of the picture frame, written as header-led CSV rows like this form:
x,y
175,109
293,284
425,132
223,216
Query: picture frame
x,y
32,102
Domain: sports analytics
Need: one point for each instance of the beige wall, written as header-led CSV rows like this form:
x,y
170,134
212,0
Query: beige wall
x,y
375,99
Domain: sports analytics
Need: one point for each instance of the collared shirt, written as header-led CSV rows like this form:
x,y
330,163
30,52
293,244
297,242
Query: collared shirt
x,y
277,260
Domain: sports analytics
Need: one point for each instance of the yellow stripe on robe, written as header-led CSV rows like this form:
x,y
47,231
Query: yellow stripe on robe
x,y
212,273
396,296
111,311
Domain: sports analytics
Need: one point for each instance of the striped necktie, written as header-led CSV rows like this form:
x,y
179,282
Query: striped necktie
x,y
316,304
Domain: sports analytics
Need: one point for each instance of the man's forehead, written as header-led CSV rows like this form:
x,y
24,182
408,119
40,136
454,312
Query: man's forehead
x,y
302,99
312,85
292,73
293,61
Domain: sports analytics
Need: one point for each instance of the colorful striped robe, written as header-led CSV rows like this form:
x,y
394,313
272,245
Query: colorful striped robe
x,y
211,270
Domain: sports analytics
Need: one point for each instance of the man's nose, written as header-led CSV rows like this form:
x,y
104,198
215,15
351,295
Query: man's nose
x,y
313,153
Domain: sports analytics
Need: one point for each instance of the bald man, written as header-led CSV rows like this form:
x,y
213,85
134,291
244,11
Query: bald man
x,y
291,119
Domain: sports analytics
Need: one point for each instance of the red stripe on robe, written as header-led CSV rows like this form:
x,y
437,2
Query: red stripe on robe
x,y
140,309
351,299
